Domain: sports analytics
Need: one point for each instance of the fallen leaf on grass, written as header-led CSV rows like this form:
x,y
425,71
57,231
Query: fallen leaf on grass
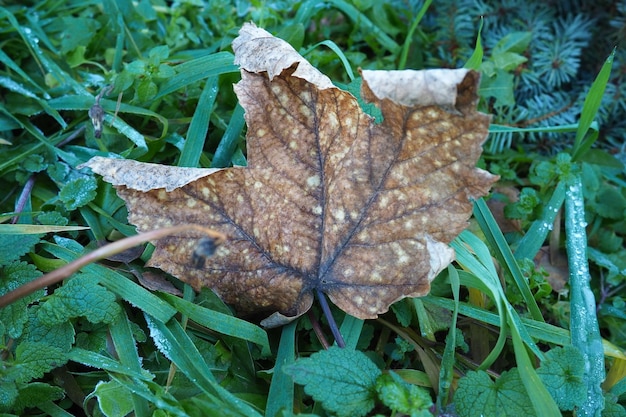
x,y
330,200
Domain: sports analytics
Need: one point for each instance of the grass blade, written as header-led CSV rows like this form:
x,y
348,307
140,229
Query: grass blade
x,y
366,25
476,59
446,373
198,69
409,36
543,403
221,322
583,320
342,57
227,146
126,350
174,343
196,135
351,330
503,254
281,394
590,108
536,235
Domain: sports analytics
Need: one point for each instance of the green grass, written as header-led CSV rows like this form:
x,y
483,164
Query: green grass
x,y
493,332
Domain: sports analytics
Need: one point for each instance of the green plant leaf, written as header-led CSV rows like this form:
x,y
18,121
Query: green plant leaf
x,y
114,399
8,394
34,394
34,359
78,192
81,296
562,372
403,397
14,316
12,247
343,380
477,395
59,335
513,42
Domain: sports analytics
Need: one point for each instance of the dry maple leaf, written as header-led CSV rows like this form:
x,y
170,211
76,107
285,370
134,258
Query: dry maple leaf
x,y
330,200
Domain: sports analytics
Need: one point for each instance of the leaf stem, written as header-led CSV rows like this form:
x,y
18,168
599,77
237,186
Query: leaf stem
x,y
331,320
101,253
318,329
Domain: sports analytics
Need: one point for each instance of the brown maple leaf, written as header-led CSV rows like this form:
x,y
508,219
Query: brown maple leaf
x,y
330,200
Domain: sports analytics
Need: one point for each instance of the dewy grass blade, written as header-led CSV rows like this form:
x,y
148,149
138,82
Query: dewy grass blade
x,y
533,240
84,102
584,327
197,69
174,343
199,126
281,393
126,350
227,146
537,330
221,322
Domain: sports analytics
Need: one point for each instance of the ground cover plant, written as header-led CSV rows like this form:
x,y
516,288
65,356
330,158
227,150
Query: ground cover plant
x,y
529,319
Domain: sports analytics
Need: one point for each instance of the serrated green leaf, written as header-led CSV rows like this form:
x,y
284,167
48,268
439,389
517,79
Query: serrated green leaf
x,y
59,335
14,246
8,394
15,315
612,408
80,297
34,394
52,218
113,399
562,372
477,395
403,312
34,359
343,380
78,192
402,397
610,203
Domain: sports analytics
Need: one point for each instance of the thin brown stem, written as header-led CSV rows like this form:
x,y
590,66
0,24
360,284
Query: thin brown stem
x,y
24,195
318,329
